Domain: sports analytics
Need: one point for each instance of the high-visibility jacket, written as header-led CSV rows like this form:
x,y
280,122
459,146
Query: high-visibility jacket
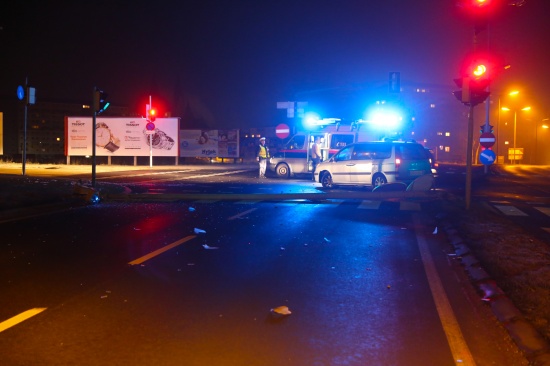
x,y
263,152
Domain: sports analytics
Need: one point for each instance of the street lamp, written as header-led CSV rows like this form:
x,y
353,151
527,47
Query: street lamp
x,y
515,124
545,126
512,94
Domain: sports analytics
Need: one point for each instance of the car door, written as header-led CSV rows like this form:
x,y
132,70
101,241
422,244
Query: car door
x,y
360,167
340,166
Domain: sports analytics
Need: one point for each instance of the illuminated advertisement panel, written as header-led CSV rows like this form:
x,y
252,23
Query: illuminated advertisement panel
x,y
121,136
209,143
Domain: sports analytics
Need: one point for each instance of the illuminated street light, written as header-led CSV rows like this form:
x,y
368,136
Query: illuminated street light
x,y
512,93
544,126
515,124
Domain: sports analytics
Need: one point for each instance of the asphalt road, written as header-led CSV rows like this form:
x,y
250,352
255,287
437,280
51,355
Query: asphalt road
x,y
120,283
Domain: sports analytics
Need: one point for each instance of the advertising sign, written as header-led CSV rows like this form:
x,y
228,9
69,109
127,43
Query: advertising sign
x,y
121,136
209,143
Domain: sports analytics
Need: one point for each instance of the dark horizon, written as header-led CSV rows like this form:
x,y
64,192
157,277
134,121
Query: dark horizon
x,y
230,63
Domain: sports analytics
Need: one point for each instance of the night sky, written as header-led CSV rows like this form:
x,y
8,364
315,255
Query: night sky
x,y
229,62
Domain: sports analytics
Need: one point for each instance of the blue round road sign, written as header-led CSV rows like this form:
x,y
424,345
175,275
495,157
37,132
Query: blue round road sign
x,y
20,92
487,157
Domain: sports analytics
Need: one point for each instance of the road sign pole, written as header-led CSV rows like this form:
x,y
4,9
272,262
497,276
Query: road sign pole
x,y
93,145
150,137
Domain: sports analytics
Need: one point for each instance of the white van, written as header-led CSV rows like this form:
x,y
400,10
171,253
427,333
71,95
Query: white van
x,y
373,164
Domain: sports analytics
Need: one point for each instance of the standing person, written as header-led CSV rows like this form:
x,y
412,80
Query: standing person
x,y
262,154
316,154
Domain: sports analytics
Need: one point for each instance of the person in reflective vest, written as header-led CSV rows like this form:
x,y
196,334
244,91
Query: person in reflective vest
x,y
262,154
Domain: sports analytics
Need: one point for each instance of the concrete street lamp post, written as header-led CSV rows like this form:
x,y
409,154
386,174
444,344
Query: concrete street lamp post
x,y
515,128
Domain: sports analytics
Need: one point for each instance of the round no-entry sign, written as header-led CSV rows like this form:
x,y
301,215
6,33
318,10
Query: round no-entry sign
x,y
487,139
282,131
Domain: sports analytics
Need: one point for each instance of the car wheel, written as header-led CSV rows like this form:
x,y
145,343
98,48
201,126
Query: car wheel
x,y
326,180
282,171
378,180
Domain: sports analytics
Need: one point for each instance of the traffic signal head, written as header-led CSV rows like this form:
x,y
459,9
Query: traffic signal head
x,y
480,3
477,6
151,115
100,101
474,81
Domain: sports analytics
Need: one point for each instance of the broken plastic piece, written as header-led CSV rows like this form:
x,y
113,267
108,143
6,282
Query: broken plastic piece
x,y
435,231
191,209
199,231
281,311
206,246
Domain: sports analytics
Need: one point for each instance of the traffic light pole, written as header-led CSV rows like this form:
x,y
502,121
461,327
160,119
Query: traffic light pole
x,y
469,154
487,127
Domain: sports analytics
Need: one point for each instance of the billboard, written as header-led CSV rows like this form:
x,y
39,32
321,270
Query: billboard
x,y
121,136
209,143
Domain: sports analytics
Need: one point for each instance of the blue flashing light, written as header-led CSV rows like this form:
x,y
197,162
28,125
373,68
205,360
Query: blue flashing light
x,y
310,120
385,119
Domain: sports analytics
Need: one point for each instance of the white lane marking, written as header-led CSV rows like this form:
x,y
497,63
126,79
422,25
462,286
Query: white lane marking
x,y
146,174
242,214
544,210
185,178
369,205
510,210
20,318
213,174
459,348
247,202
161,250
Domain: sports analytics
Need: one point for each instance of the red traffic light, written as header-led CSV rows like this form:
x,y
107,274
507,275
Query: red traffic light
x,y
475,5
480,3
151,115
479,71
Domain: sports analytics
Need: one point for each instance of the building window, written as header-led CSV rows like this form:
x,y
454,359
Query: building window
x,y
447,134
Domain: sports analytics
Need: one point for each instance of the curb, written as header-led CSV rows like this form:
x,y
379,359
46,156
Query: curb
x,y
524,334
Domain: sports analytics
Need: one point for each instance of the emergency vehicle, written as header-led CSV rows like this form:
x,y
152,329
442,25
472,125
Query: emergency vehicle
x,y
295,159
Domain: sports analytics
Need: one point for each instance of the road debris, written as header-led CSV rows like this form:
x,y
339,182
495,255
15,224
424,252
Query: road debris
x,y
280,311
